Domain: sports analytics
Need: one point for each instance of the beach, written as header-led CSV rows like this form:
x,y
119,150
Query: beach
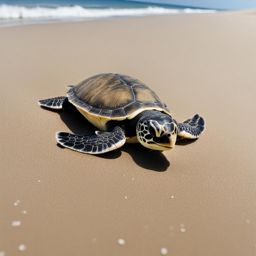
x,y
197,199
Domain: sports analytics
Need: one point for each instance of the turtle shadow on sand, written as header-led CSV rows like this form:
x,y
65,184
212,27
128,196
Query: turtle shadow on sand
x,y
147,159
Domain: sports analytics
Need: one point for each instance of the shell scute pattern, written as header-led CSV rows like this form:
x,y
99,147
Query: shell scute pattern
x,y
132,107
106,112
144,94
104,91
118,112
113,96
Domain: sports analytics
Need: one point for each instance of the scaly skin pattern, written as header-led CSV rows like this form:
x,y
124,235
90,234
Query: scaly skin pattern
x,y
98,143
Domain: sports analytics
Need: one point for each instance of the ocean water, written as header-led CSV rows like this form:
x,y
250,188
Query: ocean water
x,y
15,12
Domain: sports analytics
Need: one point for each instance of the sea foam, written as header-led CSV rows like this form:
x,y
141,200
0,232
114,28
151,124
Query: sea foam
x,y
12,12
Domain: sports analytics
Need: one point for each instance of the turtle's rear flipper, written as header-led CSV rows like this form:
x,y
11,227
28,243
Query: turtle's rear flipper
x,y
98,143
56,103
191,128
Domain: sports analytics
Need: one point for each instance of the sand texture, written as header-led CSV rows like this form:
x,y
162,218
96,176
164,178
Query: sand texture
x,y
196,200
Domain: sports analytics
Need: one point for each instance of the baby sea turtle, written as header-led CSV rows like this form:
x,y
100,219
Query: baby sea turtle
x,y
124,110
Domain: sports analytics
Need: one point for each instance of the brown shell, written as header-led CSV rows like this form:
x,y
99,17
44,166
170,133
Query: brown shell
x,y
114,96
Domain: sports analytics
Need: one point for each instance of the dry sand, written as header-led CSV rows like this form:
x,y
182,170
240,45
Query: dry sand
x,y
197,200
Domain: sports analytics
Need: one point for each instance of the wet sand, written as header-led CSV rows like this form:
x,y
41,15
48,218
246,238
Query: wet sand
x,y
198,199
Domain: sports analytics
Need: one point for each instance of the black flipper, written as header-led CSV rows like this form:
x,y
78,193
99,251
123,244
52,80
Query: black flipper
x,y
53,103
191,128
98,143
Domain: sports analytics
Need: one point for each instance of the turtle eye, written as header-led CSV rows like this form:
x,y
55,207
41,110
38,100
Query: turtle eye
x,y
172,127
152,130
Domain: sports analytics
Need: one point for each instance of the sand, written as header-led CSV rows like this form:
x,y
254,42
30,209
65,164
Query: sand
x,y
198,199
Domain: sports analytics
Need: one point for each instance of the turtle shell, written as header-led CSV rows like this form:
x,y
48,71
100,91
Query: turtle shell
x,y
114,96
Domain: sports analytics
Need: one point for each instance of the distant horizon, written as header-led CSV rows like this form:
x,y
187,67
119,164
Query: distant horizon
x,y
203,4
100,4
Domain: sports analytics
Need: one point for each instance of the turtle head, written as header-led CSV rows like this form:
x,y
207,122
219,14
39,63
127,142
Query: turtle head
x,y
157,131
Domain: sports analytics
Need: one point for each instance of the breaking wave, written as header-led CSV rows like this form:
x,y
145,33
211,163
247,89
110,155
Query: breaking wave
x,y
11,12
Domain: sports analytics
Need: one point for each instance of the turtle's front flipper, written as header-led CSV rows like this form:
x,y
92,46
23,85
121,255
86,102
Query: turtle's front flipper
x,y
56,103
191,128
99,143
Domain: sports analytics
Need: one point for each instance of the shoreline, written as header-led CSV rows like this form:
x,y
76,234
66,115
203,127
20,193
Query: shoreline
x,y
27,22
85,20
4,22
